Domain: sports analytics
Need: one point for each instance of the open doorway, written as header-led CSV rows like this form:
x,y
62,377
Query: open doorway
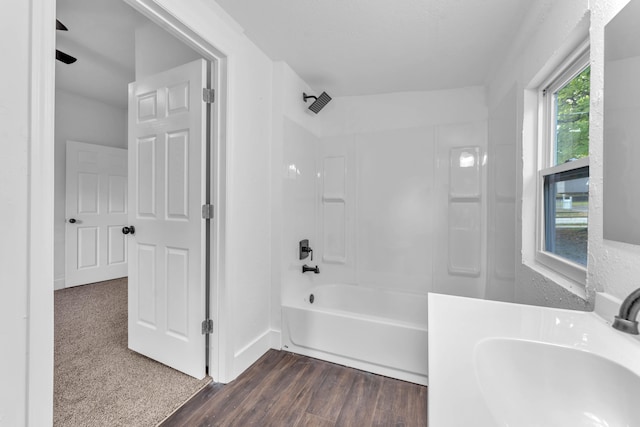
x,y
114,45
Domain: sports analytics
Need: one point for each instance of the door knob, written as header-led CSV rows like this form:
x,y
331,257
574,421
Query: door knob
x,y
72,221
129,230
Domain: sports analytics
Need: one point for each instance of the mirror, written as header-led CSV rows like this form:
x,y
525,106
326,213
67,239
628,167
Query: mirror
x,y
622,126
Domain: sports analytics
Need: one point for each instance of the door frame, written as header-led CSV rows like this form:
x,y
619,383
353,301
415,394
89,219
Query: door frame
x,y
216,350
39,323
39,326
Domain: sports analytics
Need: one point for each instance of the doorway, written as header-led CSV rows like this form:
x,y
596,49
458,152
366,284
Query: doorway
x,y
114,45
99,104
96,212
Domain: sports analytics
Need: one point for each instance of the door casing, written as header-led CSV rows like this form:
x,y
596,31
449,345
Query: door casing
x,y
218,352
41,112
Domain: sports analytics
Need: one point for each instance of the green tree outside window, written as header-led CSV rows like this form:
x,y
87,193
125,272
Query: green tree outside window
x,y
572,118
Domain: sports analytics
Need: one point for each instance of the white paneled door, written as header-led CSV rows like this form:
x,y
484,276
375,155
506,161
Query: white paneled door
x,y
96,211
167,166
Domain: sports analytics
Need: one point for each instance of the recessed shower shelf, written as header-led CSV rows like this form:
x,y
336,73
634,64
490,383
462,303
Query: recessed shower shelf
x,y
334,209
333,199
465,272
465,199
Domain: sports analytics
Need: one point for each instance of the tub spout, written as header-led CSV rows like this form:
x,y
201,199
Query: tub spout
x,y
306,268
626,321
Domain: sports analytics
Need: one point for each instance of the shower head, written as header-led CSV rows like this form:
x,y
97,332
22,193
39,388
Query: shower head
x,y
319,103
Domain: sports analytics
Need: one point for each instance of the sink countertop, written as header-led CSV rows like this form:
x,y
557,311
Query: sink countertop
x,y
457,324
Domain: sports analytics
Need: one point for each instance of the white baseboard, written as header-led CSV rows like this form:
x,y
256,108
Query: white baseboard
x,y
58,284
276,339
247,355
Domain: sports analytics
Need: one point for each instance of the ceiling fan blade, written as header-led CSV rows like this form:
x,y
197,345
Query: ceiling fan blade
x,y
63,57
60,26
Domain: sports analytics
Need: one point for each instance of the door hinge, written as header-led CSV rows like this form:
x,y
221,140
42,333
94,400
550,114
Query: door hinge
x,y
208,95
207,211
207,327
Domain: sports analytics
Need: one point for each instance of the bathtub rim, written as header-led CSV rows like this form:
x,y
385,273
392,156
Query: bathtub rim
x,y
301,301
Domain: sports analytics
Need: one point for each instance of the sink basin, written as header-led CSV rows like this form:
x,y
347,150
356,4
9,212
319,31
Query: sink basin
x,y
496,364
529,383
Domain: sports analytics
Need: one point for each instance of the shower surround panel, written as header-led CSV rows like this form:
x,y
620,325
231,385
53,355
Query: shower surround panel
x,y
405,209
391,215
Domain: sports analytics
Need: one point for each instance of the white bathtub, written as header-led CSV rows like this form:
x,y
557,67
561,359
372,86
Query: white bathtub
x,y
379,331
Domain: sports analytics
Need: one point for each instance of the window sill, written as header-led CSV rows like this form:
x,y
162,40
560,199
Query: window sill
x,y
568,281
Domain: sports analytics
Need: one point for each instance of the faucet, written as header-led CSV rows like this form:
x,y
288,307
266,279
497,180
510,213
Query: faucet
x,y
626,321
306,268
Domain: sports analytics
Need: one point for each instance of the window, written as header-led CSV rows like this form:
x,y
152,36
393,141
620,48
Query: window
x,y
563,187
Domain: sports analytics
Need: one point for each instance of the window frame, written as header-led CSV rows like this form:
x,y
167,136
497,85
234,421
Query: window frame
x,y
571,67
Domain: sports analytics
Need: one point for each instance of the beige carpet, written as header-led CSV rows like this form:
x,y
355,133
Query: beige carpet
x,y
98,381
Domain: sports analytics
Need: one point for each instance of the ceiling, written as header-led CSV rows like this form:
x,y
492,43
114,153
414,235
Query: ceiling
x,y
102,37
344,47
360,47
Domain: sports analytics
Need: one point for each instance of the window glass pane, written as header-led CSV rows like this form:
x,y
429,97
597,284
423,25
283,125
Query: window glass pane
x,y
566,200
572,118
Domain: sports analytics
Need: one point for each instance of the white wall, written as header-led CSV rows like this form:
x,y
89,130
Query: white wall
x,y
402,110
14,223
549,32
26,215
85,120
156,50
613,266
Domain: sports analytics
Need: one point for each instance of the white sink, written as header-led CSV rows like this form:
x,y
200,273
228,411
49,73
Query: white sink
x,y
495,364
531,384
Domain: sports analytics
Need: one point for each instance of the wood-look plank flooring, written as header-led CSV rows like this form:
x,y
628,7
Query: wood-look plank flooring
x,y
284,389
